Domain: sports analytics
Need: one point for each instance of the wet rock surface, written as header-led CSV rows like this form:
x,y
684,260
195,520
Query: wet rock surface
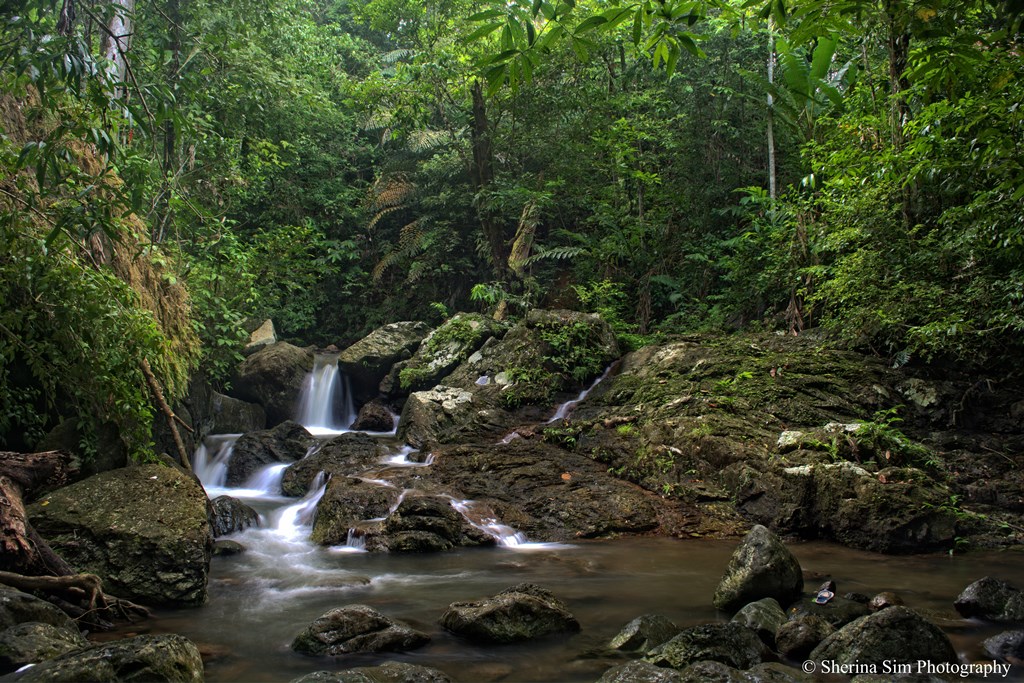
x,y
230,515
991,599
522,612
645,633
346,455
731,644
370,359
273,378
33,642
430,524
392,672
763,617
161,659
640,672
143,529
801,634
287,442
375,416
17,607
838,611
357,628
1007,646
761,567
896,634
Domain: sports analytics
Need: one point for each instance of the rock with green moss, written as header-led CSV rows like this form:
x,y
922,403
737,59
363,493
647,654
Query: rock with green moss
x,y
346,502
369,360
523,612
440,353
761,567
763,617
273,377
160,659
18,608
142,529
346,455
286,442
357,628
33,642
645,633
893,635
391,672
730,644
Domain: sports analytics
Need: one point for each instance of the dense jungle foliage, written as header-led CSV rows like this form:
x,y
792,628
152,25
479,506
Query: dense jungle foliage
x,y
174,171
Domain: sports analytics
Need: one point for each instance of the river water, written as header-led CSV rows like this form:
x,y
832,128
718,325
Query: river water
x,y
261,599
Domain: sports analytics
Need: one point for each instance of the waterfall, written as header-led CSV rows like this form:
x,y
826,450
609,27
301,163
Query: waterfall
x,y
325,405
564,409
268,479
294,518
213,471
502,533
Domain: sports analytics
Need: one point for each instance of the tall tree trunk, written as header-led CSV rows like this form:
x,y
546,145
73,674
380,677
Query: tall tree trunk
x,y
116,40
483,179
772,192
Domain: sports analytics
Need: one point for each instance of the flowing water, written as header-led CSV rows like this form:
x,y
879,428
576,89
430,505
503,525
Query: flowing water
x,y
260,600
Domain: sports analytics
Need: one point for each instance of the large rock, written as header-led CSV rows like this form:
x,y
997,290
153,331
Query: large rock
x,y
287,442
143,530
430,524
443,413
761,567
522,612
839,611
229,515
262,336
229,415
991,599
640,672
357,628
731,644
763,617
799,636
1007,646
161,659
440,353
369,360
392,672
346,502
274,377
18,608
346,455
33,642
374,417
895,635
645,633
716,672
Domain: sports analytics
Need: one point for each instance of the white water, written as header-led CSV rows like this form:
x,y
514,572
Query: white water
x,y
326,406
566,407
213,471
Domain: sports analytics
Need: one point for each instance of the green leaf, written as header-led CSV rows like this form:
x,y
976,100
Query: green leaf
x,y
638,25
487,14
591,23
485,30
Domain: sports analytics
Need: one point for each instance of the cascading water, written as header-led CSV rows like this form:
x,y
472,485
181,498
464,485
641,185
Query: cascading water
x,y
325,406
566,407
213,471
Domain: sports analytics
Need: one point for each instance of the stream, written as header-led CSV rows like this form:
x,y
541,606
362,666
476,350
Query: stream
x,y
261,599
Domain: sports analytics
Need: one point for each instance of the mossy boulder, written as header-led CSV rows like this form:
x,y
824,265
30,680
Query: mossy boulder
x,y
440,353
346,455
731,644
391,672
369,360
639,672
761,567
763,617
19,608
430,524
645,633
523,612
161,659
33,642
346,503
894,635
801,634
273,377
357,628
142,529
229,515
229,415
993,600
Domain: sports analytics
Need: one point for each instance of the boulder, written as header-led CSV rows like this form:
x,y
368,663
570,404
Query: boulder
x,y
440,353
18,608
357,628
1007,646
374,417
392,672
346,455
229,515
640,672
439,414
731,644
33,642
369,360
763,617
799,636
716,672
262,336
228,415
430,524
896,635
227,548
522,612
993,600
161,659
838,611
346,502
144,530
287,442
761,567
273,377
645,633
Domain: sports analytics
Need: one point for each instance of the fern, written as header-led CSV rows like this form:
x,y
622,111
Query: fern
x,y
555,254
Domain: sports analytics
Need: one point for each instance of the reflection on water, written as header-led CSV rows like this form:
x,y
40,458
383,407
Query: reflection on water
x,y
260,600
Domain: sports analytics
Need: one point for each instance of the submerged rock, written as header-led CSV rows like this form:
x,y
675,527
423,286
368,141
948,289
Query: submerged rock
x,y
229,515
357,628
522,612
991,599
368,361
143,530
731,644
645,633
273,377
287,442
33,642
392,672
896,634
161,659
761,567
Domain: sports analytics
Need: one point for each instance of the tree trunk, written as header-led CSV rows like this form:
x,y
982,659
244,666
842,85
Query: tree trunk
x,y
771,112
116,40
483,179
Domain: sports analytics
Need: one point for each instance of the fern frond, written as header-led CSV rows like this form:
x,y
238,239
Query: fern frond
x,y
396,55
555,254
426,140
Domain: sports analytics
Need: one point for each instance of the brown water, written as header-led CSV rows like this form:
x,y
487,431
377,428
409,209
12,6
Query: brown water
x,y
257,606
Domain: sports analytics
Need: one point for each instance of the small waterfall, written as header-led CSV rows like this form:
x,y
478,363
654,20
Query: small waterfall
x,y
503,534
213,471
401,458
566,407
355,540
325,406
268,480
293,519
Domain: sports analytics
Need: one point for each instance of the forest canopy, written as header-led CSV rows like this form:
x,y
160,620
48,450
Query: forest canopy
x,y
175,172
